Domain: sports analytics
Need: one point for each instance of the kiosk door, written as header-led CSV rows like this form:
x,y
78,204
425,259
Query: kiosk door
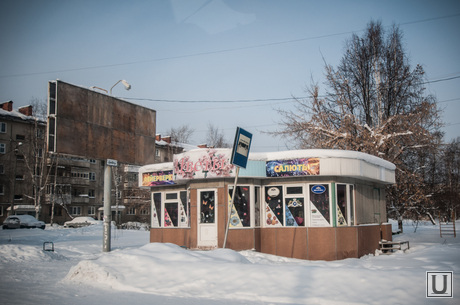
x,y
207,219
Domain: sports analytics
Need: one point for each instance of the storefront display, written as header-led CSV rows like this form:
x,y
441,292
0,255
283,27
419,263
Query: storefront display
x,y
314,192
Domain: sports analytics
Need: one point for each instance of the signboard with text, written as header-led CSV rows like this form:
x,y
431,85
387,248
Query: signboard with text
x,y
295,167
241,147
157,178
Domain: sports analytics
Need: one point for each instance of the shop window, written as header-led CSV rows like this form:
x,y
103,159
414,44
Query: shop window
x,y
241,210
171,214
207,207
257,206
170,209
171,196
320,205
156,210
294,206
342,205
274,213
352,205
185,215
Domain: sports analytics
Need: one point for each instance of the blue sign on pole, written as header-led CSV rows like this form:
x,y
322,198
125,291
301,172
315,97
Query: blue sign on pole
x,y
241,147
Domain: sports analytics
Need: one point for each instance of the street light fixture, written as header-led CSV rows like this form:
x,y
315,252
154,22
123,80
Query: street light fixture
x,y
125,83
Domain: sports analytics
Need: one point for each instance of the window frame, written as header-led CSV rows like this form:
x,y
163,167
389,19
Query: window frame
x,y
3,127
174,197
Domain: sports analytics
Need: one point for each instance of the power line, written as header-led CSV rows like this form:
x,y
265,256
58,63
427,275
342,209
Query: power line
x,y
292,98
218,51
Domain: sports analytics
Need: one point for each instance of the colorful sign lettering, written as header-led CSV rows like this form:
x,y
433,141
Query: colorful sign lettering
x,y
203,164
157,178
295,167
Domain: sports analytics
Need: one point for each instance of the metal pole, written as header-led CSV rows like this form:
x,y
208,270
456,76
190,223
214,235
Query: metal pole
x,y
231,205
107,208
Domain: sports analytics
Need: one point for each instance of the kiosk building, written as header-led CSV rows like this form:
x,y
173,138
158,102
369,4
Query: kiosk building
x,y
307,204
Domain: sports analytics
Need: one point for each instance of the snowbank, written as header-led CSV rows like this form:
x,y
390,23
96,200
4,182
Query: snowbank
x,y
139,272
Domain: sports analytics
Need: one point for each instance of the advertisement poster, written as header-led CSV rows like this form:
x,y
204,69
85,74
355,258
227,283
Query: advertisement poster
x,y
295,167
319,205
157,178
274,206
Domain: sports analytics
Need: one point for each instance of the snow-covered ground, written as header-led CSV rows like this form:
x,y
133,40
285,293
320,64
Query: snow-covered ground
x,y
137,272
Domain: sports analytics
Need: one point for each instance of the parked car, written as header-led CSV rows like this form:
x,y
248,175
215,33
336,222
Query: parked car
x,y
78,222
22,221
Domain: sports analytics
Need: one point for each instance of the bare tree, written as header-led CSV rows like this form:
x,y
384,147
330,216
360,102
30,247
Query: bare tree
x,y
374,103
181,134
215,137
34,153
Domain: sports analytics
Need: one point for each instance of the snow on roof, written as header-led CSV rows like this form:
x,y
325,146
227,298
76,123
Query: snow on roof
x,y
321,153
288,155
16,114
157,167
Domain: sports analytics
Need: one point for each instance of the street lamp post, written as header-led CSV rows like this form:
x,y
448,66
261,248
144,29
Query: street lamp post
x,y
107,189
125,83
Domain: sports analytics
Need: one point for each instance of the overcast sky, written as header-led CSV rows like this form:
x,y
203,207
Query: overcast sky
x,y
229,62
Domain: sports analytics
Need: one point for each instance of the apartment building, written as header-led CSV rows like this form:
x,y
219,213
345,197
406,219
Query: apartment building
x,y
21,153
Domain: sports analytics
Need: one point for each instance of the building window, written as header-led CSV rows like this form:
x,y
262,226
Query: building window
x,y
241,207
91,193
19,177
2,189
92,176
75,210
2,127
17,197
144,211
2,148
170,209
2,169
91,210
1,211
20,137
131,211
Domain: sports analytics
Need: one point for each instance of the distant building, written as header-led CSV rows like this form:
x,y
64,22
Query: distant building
x,y
20,133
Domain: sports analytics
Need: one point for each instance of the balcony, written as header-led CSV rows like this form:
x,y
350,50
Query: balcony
x,y
80,199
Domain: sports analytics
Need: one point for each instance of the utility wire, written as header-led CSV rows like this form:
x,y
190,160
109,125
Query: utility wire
x,y
292,98
218,51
